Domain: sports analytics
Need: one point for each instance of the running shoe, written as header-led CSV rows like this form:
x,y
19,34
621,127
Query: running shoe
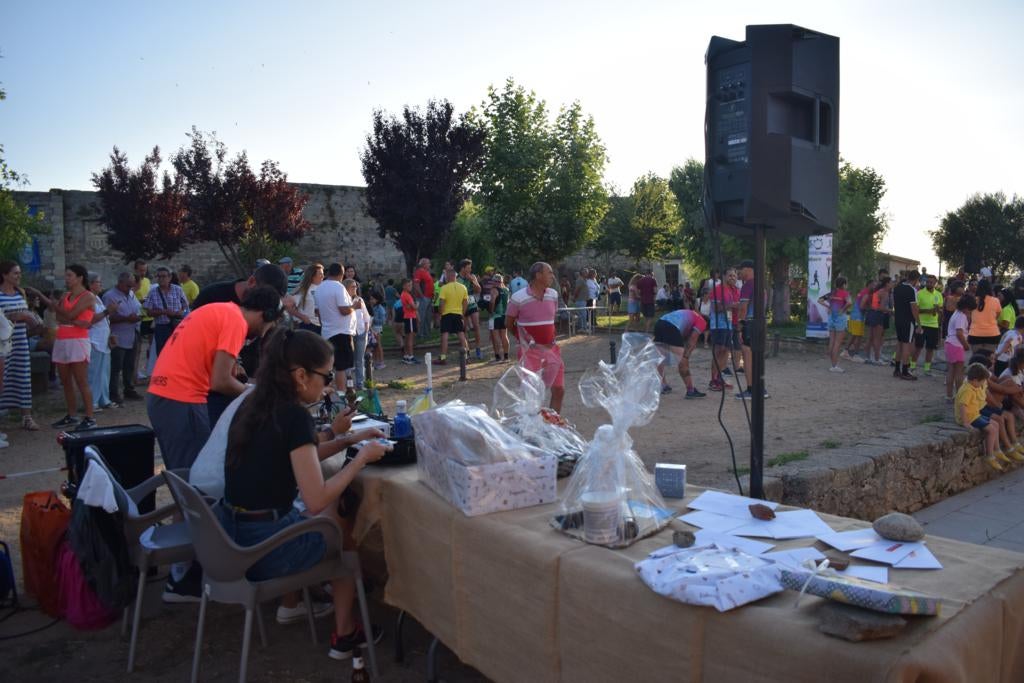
x,y
693,393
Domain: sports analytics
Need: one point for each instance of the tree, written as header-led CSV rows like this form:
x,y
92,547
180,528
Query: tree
x,y
985,230
17,225
862,224
541,184
143,222
645,225
229,205
469,238
417,170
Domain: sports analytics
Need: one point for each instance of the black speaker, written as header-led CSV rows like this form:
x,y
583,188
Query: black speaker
x,y
128,451
772,131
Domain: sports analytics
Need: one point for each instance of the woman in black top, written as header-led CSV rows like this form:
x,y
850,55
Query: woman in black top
x,y
273,450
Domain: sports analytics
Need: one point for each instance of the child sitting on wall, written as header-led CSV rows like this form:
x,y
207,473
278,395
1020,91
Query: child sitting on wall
x,y
968,405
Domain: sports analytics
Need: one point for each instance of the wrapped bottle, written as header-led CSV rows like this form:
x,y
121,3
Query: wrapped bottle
x,y
403,425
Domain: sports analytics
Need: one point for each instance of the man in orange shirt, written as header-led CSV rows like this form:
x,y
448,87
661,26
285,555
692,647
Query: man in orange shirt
x,y
199,357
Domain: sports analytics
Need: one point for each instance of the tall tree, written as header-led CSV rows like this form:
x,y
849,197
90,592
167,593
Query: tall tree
x,y
541,183
17,225
645,225
231,206
417,170
143,220
987,229
862,223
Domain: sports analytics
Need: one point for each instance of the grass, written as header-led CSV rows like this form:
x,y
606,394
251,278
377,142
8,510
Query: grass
x,y
829,443
400,384
778,460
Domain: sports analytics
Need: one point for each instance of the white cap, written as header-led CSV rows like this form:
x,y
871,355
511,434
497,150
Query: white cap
x,y
400,406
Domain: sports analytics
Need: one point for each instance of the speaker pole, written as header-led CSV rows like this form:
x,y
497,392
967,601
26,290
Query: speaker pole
x,y
757,370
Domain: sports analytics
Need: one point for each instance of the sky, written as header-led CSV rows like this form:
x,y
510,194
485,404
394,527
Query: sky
x,y
930,92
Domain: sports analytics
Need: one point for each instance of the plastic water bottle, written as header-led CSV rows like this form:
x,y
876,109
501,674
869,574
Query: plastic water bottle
x,y
402,426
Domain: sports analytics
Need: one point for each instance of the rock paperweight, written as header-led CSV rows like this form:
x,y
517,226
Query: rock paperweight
x,y
897,526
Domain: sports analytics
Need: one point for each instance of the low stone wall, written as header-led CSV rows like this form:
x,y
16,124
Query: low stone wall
x,y
903,470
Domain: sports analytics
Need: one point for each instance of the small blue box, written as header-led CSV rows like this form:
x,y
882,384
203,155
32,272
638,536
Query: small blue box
x,y
670,479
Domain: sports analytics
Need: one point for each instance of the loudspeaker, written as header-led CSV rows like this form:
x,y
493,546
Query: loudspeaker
x,y
128,451
772,131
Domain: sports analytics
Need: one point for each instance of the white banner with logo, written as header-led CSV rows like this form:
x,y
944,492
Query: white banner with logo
x,y
819,283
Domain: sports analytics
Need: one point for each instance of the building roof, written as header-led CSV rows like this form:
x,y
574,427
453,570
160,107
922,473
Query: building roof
x,y
902,259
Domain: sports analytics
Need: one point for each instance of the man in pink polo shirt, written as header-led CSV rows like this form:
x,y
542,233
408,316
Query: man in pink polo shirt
x,y
531,318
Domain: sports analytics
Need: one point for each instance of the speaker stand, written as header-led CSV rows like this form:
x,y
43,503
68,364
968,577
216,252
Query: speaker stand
x,y
757,367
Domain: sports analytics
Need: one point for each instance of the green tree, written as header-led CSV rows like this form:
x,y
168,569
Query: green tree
x,y
469,238
417,172
985,230
541,183
17,225
862,224
646,225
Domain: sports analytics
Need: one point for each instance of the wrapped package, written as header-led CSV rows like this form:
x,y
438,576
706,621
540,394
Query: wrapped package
x,y
467,458
712,575
519,398
611,498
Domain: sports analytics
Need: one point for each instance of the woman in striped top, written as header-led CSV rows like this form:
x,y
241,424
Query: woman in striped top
x,y
17,384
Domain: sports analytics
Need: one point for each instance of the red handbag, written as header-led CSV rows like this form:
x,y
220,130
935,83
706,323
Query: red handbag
x,y
44,521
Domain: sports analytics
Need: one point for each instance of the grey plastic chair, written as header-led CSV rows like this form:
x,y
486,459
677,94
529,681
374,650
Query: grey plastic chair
x,y
150,544
225,564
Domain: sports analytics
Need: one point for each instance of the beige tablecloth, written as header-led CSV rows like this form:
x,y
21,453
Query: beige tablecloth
x,y
520,601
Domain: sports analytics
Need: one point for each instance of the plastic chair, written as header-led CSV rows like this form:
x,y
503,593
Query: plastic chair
x,y
150,544
225,564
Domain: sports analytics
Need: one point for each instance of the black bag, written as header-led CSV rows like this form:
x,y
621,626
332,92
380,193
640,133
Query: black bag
x,y
97,539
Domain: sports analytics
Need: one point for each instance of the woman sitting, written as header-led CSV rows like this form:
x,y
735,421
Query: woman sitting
x,y
273,449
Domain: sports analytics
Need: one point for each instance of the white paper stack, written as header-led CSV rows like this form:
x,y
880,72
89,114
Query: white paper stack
x,y
868,545
728,514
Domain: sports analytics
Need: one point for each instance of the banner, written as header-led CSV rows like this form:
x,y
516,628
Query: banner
x,y
819,282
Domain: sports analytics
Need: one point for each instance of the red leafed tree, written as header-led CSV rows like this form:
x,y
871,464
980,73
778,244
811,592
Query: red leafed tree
x,y
275,206
143,220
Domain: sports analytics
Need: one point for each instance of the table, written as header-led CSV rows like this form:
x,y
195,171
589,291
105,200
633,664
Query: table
x,y
520,601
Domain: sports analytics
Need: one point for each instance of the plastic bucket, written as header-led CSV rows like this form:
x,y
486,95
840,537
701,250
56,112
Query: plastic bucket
x,y
602,516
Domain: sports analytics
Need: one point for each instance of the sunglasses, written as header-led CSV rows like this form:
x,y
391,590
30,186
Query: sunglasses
x,y
328,376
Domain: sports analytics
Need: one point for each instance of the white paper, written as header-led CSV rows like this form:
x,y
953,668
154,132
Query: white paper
x,y
851,540
786,525
705,537
795,558
712,521
875,574
887,552
728,504
919,558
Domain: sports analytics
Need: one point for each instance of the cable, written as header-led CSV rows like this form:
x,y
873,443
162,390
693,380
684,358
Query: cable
x,y
19,610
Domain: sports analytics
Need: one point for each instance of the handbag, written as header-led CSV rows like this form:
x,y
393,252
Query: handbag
x,y
78,601
173,321
44,521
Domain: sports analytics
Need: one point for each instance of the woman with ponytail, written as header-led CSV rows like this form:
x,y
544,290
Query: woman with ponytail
x,y
273,451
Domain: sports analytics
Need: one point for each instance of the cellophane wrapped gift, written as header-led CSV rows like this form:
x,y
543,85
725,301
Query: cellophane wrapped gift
x,y
519,407
471,461
611,498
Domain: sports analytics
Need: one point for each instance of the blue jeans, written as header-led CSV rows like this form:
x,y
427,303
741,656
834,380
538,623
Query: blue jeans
x,y
99,377
297,555
582,317
359,370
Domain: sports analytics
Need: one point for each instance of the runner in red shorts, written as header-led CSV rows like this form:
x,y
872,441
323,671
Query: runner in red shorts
x,y
531,317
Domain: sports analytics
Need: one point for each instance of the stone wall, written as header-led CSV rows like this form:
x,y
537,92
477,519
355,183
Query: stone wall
x,y
342,231
903,471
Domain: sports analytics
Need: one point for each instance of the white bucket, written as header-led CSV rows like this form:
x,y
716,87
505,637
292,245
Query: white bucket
x,y
602,516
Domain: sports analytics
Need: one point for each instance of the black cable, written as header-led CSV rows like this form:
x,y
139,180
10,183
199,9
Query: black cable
x,y
20,610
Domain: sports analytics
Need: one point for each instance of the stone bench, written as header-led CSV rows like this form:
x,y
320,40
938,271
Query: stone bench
x,y
903,470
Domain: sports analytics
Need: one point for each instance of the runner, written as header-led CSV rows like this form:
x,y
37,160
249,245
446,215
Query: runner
x,y
676,334
531,317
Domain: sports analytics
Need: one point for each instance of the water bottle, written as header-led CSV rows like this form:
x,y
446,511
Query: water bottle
x,y
402,426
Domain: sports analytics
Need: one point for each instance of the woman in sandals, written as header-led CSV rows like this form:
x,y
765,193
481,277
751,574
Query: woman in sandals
x,y
273,451
17,374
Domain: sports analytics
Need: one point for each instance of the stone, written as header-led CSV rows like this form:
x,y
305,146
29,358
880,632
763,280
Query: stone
x,y
897,526
837,560
762,512
683,539
856,623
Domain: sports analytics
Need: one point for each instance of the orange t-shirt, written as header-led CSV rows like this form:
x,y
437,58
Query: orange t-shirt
x,y
183,369
986,323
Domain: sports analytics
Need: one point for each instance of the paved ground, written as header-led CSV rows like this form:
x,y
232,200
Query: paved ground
x,y
990,514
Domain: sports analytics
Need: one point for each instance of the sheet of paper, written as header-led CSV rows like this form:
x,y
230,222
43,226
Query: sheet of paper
x,y
851,540
875,574
712,521
919,558
887,552
728,504
795,558
792,524
705,536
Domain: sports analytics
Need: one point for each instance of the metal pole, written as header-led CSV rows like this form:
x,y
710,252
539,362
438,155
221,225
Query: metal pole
x,y
462,365
612,345
757,369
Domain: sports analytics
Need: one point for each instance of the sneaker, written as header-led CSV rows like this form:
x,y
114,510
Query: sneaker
x,y
745,394
289,615
440,361
836,368
993,463
65,421
1002,456
189,589
342,647
845,355
727,371
379,366
408,360
132,395
479,356
715,385
693,393
1016,454
908,376
666,389
112,404
86,423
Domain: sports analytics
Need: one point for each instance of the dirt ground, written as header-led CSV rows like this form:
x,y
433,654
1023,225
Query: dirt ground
x,y
810,408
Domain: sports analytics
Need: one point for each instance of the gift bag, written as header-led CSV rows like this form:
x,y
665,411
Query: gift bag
x,y
78,602
44,520
611,498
